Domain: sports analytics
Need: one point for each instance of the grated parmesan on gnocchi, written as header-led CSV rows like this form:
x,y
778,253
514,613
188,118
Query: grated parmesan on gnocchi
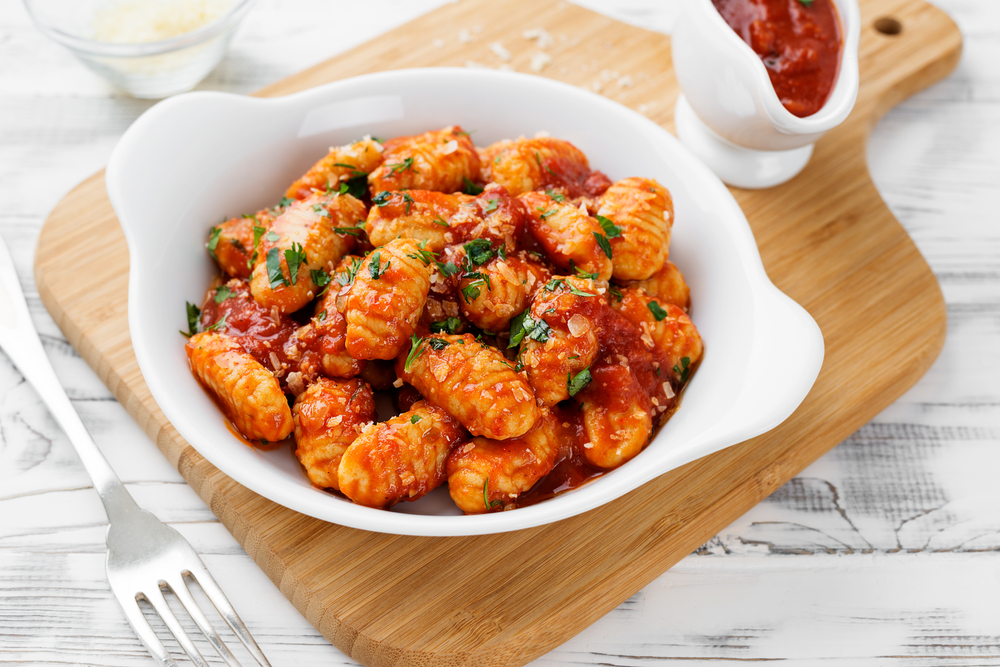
x,y
517,305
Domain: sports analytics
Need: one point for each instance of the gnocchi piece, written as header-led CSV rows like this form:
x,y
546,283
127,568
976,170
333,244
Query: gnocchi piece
x,y
301,240
248,393
496,292
617,417
340,164
329,416
473,382
415,214
441,160
400,459
321,345
559,336
541,163
486,474
231,310
231,244
384,304
571,238
666,329
667,285
644,212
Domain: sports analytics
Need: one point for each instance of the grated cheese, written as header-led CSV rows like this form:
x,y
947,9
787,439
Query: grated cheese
x,y
137,21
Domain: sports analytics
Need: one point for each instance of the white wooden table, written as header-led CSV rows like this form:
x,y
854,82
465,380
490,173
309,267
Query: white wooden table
x,y
886,551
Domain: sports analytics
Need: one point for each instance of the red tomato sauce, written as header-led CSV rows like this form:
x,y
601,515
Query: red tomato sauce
x,y
800,43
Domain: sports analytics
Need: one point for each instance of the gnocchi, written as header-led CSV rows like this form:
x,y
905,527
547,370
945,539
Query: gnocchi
x,y
520,308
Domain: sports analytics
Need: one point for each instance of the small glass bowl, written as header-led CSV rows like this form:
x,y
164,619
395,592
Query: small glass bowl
x,y
145,69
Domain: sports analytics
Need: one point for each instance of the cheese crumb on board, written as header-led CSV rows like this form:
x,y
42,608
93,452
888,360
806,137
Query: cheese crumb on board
x,y
500,51
543,39
140,21
540,61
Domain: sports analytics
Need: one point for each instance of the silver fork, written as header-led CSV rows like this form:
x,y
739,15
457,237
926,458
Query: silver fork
x,y
145,555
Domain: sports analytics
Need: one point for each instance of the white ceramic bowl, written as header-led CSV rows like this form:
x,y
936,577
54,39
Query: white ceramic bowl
x,y
729,102
195,159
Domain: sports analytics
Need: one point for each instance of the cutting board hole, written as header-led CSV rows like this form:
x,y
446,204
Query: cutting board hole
x,y
888,26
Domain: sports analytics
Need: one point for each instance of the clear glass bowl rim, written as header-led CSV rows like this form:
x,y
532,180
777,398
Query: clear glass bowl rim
x,y
116,50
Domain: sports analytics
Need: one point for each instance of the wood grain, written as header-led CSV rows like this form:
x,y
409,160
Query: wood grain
x,y
826,239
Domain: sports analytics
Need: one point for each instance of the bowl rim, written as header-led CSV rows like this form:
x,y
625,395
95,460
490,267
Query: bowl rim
x,y
94,47
568,505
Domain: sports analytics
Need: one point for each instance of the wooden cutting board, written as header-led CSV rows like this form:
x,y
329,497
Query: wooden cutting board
x,y
826,238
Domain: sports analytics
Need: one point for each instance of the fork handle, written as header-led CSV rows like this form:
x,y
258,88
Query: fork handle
x,y
20,341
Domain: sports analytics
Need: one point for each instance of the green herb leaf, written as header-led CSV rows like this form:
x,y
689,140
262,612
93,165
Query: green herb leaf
x,y
193,315
657,311
352,167
382,198
414,419
470,188
374,267
615,292
685,371
272,237
471,291
440,221
545,215
423,255
611,230
543,166
557,196
554,284
517,329
218,325
400,166
222,293
807,3
321,316
416,349
486,497
321,211
275,277
257,233
295,257
577,383
448,325
353,231
524,326
579,292
437,344
602,241
239,246
285,202
491,205
213,241
320,277
479,251
448,270
581,273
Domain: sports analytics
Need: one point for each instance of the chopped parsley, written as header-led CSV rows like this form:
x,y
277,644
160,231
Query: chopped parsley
x,y
321,316
524,326
615,292
807,3
353,231
400,166
538,159
491,205
554,284
657,311
319,210
320,277
423,255
193,314
418,345
685,371
579,292
479,251
448,325
557,196
409,200
213,241
375,268
346,277
285,202
354,170
221,323
275,277
239,246
448,269
611,230
486,497
605,244
470,188
382,198
545,215
295,257
576,384
272,237
257,233
440,221
471,291
222,294
356,187
581,273
414,419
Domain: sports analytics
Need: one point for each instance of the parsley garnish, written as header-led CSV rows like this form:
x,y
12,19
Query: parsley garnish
x,y
222,294
615,292
353,168
401,166
448,269
544,215
471,291
239,246
449,325
470,188
605,244
491,205
554,284
221,323
382,198
272,237
581,273
524,326
374,267
657,311
414,419
611,230
213,241
322,316
320,277
557,196
424,255
346,277
257,233
685,362
409,200
353,231
486,497
543,166
356,187
319,210
419,344
193,314
440,221
295,257
576,384
285,202
807,3
479,251
275,277
579,292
